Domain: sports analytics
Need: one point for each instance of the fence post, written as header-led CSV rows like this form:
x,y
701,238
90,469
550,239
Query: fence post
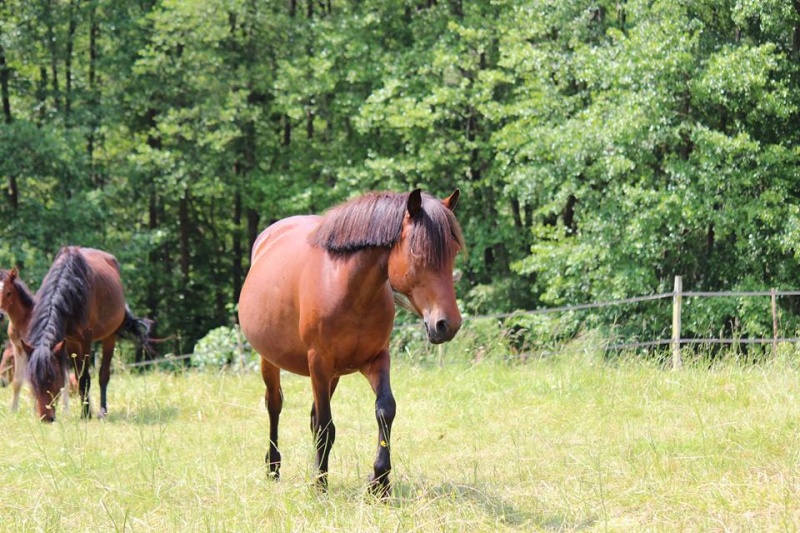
x,y
676,323
774,302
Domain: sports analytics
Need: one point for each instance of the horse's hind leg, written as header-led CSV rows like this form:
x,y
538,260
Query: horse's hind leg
x,y
377,372
273,397
105,373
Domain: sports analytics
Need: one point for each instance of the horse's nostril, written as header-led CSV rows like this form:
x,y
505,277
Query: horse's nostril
x,y
441,327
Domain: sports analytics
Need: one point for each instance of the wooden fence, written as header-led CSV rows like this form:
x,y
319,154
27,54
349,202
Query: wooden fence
x,y
676,340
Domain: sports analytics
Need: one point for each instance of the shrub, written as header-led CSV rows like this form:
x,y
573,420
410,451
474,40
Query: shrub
x,y
224,347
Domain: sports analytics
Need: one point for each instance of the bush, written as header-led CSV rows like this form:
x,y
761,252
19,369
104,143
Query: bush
x,y
224,348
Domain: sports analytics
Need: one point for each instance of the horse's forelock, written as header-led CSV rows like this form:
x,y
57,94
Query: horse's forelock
x,y
435,231
41,370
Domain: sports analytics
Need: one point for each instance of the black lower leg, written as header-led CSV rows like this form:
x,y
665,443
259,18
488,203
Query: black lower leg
x,y
385,408
325,436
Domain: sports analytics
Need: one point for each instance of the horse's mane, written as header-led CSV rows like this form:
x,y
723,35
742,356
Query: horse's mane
x,y
375,220
61,307
25,295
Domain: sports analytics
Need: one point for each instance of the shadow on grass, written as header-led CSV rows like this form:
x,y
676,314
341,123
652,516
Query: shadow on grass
x,y
146,416
499,509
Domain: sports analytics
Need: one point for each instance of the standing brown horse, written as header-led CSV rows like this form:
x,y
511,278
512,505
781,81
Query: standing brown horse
x,y
80,301
318,301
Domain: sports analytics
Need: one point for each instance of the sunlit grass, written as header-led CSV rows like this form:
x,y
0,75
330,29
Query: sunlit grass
x,y
567,443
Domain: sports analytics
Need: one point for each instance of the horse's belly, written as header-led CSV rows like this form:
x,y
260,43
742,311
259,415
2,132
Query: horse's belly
x,y
268,311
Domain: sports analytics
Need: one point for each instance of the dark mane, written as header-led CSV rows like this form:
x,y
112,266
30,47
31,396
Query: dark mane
x,y
25,295
376,220
61,307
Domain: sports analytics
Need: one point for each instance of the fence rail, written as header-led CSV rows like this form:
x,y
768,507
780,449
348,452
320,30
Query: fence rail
x,y
677,296
675,340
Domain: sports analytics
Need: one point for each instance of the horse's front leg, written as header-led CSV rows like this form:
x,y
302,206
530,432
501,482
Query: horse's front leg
x,y
105,373
273,397
377,373
79,353
321,420
20,372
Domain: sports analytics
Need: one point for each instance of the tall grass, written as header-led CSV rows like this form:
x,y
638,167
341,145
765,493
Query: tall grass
x,y
572,442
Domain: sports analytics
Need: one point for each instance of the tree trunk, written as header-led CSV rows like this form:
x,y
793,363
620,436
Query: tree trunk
x,y
184,232
5,96
5,93
68,62
237,270
94,103
796,34
253,228
52,43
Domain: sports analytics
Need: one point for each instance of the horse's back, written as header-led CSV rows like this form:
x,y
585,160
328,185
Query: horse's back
x,y
269,311
107,301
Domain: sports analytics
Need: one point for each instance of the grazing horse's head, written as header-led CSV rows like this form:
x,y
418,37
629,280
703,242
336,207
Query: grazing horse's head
x,y
47,369
421,262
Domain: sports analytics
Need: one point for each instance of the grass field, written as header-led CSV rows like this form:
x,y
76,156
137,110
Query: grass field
x,y
566,443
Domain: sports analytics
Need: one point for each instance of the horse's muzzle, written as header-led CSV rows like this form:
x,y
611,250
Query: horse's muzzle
x,y
442,330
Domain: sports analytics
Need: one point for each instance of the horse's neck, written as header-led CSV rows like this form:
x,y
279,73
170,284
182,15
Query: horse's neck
x,y
20,316
369,274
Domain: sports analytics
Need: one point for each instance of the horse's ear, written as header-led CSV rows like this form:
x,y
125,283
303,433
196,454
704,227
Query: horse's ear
x,y
452,201
414,204
12,274
58,347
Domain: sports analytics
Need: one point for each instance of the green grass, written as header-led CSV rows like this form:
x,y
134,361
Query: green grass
x,y
566,443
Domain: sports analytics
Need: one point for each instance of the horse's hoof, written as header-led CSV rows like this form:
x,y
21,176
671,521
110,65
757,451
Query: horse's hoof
x,y
321,483
380,488
102,413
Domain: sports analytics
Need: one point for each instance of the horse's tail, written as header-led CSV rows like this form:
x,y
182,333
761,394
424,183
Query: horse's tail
x,y
138,329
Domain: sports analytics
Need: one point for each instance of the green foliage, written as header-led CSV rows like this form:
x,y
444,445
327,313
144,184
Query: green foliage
x,y
601,149
224,348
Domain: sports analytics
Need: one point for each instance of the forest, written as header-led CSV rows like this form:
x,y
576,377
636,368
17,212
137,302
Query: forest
x,y
601,148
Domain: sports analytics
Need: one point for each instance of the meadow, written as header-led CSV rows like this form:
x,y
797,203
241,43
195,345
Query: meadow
x,y
570,442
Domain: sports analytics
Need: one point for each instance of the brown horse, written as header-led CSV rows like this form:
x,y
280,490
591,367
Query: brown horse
x,y
17,302
318,301
81,300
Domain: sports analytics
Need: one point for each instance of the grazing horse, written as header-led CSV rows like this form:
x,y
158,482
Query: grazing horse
x,y
81,300
18,302
318,301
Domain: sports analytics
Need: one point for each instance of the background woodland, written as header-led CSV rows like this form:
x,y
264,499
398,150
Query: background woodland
x,y
601,147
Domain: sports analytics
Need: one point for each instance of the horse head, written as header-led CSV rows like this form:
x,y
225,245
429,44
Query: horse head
x,y
421,263
46,371
7,289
